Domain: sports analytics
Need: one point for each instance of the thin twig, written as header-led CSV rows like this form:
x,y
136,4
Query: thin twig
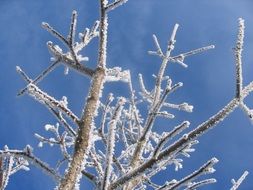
x,y
115,4
237,183
38,78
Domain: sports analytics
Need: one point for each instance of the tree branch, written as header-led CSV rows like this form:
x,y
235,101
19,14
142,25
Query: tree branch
x,y
207,168
27,155
200,130
237,183
83,140
238,58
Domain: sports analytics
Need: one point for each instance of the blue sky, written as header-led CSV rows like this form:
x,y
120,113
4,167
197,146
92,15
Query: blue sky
x,y
209,82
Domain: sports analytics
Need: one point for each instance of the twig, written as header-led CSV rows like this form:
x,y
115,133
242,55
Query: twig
x,y
114,5
38,78
207,168
111,143
27,155
195,185
154,108
44,98
237,183
175,131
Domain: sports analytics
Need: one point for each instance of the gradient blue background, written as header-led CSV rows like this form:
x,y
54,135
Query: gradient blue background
x,y
209,82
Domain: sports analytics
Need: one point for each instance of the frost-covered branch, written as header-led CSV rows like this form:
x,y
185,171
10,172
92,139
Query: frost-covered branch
x,y
96,162
157,98
82,144
180,58
5,172
158,51
48,101
200,130
207,168
54,32
111,143
60,118
115,4
27,155
195,185
44,98
63,140
237,183
238,58
101,129
71,37
166,137
38,78
72,59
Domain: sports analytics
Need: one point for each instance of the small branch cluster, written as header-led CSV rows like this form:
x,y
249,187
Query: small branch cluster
x,y
207,168
12,161
9,164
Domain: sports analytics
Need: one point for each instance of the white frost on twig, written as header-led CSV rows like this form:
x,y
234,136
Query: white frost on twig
x,y
237,183
116,74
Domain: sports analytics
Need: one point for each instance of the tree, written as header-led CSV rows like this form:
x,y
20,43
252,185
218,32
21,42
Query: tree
x,y
113,138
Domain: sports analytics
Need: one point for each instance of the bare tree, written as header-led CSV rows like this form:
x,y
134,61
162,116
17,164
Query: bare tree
x,y
113,138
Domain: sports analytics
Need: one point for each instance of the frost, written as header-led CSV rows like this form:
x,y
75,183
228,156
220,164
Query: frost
x,y
49,127
116,74
66,70
237,183
40,144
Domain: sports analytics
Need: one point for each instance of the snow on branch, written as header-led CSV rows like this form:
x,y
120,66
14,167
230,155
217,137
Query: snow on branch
x,y
115,4
183,106
238,58
61,119
195,185
63,140
111,143
237,183
87,36
172,40
27,155
182,142
86,125
72,59
180,58
106,110
67,60
247,111
23,74
158,48
71,37
38,78
207,168
178,129
72,30
158,95
54,32
44,98
116,74
145,94
6,166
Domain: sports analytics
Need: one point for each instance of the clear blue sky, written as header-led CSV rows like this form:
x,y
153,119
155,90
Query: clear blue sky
x,y
208,82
